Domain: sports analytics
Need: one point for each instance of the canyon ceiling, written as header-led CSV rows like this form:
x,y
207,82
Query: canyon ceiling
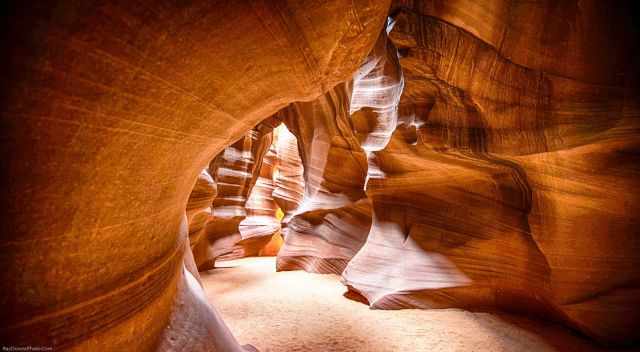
x,y
471,154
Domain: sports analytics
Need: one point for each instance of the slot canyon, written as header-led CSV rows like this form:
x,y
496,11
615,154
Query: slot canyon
x,y
337,175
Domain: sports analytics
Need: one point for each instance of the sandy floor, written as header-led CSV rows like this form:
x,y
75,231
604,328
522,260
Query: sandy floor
x,y
298,311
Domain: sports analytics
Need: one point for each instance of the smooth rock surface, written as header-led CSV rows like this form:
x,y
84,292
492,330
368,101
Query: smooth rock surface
x,y
334,216
512,178
109,113
469,154
242,219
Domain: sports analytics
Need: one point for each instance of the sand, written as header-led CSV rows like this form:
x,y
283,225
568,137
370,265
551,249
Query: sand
x,y
299,311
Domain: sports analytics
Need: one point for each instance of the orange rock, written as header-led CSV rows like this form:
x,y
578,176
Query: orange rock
x,y
112,111
510,182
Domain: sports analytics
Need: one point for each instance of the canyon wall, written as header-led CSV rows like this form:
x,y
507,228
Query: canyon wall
x,y
334,217
110,111
505,175
332,220
242,219
511,181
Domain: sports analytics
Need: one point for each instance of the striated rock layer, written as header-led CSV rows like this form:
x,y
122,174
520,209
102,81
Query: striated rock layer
x,y
110,112
243,216
504,176
262,222
288,175
332,221
198,213
511,180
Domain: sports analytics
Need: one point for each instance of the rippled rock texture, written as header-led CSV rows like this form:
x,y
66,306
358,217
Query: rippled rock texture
x,y
243,216
110,112
478,154
512,178
332,221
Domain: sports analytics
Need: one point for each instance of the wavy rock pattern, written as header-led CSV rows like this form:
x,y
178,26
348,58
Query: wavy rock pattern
x,y
199,213
332,222
243,172
504,176
113,110
333,218
497,188
261,222
289,173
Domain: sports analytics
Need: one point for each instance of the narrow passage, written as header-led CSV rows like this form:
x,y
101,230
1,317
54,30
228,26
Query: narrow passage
x,y
299,311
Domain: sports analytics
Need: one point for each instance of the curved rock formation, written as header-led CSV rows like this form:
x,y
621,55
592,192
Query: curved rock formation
x,y
199,213
334,218
510,181
112,111
505,175
262,221
243,172
289,173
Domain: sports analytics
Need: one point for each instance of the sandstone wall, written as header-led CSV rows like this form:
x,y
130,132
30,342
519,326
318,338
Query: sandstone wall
x,y
110,112
511,181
